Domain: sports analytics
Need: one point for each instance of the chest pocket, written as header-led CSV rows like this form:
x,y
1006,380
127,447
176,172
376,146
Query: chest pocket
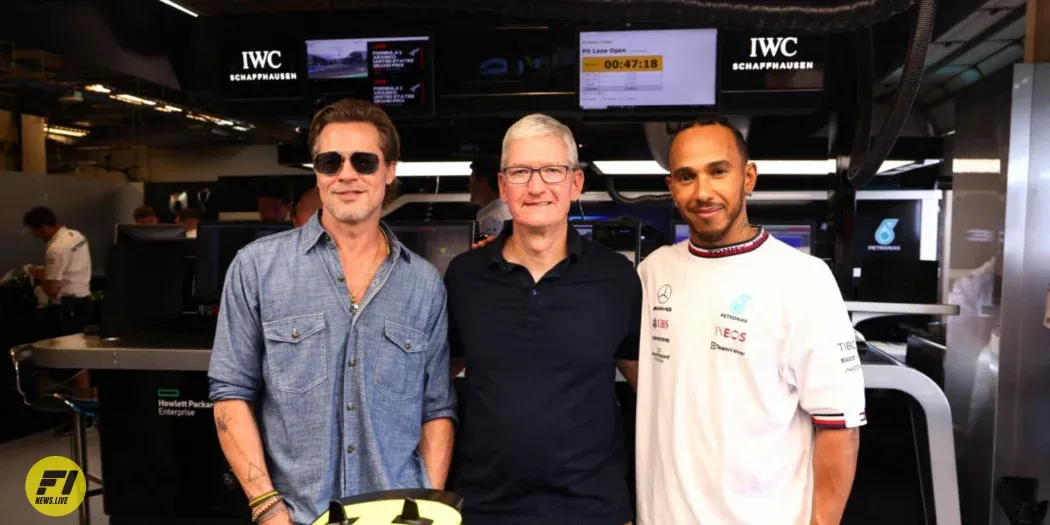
x,y
296,352
400,362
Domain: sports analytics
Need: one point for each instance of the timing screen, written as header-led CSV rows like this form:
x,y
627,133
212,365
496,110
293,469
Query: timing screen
x,y
653,68
393,70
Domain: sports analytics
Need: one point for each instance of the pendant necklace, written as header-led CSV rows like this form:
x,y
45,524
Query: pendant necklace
x,y
375,263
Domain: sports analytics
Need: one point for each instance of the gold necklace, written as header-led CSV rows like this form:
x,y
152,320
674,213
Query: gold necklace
x,y
368,275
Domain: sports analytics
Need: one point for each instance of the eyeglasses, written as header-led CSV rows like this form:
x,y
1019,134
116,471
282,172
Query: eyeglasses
x,y
330,162
549,174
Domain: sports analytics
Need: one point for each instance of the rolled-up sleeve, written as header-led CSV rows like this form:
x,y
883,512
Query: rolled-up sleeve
x,y
235,371
439,398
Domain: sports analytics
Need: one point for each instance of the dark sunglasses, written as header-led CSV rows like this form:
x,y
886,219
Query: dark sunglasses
x,y
330,162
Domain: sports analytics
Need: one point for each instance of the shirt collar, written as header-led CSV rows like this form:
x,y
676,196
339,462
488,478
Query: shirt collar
x,y
313,233
749,245
494,249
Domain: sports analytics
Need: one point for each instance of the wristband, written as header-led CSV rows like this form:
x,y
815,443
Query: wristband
x,y
269,512
262,497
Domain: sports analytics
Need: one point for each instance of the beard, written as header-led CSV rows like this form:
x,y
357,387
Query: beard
x,y
351,213
712,234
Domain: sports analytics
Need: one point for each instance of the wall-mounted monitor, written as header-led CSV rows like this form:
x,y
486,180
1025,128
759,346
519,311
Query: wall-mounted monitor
x,y
395,72
797,235
438,242
646,70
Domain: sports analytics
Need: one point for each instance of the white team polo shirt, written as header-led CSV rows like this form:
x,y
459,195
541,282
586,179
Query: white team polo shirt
x,y
68,261
743,350
492,216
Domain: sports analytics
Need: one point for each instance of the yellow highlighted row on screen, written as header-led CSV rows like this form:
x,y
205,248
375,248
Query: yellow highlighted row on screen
x,y
620,64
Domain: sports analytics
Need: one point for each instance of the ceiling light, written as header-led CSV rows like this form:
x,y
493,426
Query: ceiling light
x,y
770,167
240,128
182,8
132,99
97,88
66,131
223,122
976,166
168,109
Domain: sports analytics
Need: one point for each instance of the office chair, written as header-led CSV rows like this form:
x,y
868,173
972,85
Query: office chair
x,y
43,393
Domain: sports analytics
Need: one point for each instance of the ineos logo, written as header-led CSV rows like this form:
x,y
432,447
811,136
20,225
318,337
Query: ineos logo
x,y
774,46
261,59
729,333
664,294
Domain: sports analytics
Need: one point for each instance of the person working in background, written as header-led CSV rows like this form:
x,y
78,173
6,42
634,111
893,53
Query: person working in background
x,y
484,192
145,215
190,218
273,204
749,388
307,205
541,316
66,274
348,370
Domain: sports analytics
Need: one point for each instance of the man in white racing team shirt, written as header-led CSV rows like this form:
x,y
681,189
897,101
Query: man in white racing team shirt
x,y
750,388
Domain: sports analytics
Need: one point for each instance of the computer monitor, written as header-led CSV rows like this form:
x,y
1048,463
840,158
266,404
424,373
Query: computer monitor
x,y
437,242
681,232
624,237
217,245
798,235
148,232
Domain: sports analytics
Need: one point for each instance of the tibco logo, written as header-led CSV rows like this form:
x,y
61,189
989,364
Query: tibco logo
x,y
729,333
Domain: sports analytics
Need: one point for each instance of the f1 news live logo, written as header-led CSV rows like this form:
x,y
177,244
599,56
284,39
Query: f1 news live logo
x,y
55,486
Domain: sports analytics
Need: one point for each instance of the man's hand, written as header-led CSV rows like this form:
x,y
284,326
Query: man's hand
x,y
37,272
483,242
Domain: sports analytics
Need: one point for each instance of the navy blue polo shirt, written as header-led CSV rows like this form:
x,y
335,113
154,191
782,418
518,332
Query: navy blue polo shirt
x,y
542,439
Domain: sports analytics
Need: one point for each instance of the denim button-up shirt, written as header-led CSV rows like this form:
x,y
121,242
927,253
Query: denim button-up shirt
x,y
340,396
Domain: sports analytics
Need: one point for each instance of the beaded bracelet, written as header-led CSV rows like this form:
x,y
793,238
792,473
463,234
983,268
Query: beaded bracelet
x,y
264,506
269,513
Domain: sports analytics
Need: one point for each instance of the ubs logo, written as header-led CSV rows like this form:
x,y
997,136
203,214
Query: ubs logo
x,y
661,324
775,46
664,294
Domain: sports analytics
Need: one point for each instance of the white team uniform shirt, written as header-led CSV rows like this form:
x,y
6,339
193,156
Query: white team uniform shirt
x,y
743,350
492,216
68,261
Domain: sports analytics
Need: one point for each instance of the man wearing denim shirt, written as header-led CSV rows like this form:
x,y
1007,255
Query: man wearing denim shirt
x,y
329,371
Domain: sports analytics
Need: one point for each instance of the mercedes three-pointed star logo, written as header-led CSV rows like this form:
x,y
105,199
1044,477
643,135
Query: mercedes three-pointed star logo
x,y
664,294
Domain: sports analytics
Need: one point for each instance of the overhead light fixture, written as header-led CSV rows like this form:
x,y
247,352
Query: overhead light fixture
x,y
240,128
425,169
772,167
98,88
223,122
182,8
132,99
977,166
168,109
66,131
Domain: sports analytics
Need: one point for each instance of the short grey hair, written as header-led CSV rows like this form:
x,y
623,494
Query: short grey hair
x,y
538,125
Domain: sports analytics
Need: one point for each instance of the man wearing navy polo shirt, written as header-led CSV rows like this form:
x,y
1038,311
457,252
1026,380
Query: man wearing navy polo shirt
x,y
542,316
